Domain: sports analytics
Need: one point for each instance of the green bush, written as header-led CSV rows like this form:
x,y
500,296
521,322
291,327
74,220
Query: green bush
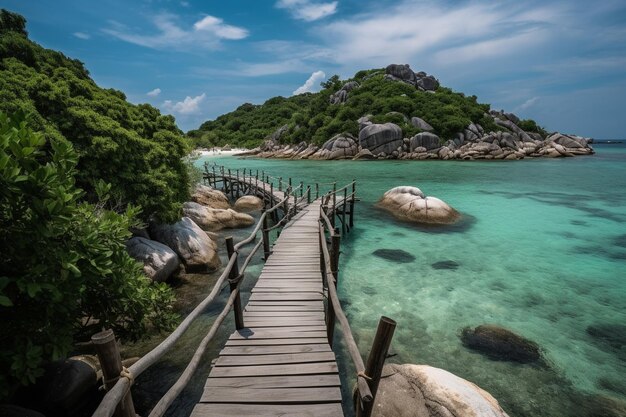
x,y
132,147
64,269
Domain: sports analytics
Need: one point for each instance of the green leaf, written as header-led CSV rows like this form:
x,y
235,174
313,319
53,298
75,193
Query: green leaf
x,y
5,301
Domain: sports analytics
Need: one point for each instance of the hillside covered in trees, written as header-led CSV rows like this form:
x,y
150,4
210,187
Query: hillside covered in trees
x,y
316,117
132,147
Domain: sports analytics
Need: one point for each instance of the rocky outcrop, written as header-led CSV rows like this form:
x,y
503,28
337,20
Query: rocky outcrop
x,y
421,124
501,344
194,247
215,219
401,72
364,154
342,146
248,203
210,197
381,138
159,261
341,96
427,83
410,204
425,140
423,391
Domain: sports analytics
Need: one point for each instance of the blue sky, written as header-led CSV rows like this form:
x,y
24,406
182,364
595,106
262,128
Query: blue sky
x,y
561,62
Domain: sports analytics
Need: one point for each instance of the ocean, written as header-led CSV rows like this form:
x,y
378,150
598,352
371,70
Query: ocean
x,y
541,251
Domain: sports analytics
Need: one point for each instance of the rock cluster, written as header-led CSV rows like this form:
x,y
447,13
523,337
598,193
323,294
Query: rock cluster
x,y
410,204
423,391
404,73
341,96
164,249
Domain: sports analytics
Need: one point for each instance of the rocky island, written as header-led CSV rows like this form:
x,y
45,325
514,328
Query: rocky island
x,y
392,113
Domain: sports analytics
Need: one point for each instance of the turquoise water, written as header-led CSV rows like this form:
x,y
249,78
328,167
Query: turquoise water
x,y
541,251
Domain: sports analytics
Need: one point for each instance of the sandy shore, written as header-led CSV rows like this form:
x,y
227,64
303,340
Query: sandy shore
x,y
218,152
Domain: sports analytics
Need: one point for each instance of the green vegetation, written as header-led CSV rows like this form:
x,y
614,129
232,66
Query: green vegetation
x,y
64,267
132,147
312,118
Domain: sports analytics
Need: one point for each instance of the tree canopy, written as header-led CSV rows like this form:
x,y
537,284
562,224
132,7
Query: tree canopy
x,y
132,147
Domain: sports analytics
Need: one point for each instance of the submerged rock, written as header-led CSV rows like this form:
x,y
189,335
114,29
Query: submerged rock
x,y
410,203
424,391
445,265
196,249
501,344
395,255
159,261
610,334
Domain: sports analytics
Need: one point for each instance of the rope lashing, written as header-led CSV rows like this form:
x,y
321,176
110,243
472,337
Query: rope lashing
x,y
125,373
363,375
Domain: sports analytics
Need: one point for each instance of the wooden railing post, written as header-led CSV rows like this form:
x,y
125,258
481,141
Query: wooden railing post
x,y
335,242
317,190
286,203
266,237
376,360
332,213
233,280
301,188
352,203
280,183
111,362
308,194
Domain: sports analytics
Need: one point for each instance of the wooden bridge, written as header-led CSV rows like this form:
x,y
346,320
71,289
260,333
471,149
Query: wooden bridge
x,y
279,361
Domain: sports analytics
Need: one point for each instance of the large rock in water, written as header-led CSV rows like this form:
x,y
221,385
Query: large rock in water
x,y
196,249
499,343
410,203
215,219
248,203
423,391
379,138
159,261
210,197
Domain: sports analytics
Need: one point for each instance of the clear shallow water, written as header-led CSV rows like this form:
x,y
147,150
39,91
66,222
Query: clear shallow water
x,y
541,252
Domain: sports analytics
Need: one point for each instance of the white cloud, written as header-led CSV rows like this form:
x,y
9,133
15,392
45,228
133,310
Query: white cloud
x,y
528,103
308,10
188,106
154,92
82,35
207,33
184,3
216,26
311,83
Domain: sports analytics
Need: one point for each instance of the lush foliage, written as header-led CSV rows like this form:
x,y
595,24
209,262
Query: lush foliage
x,y
64,269
132,147
311,117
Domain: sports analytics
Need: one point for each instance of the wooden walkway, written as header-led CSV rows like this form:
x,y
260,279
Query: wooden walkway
x,y
280,364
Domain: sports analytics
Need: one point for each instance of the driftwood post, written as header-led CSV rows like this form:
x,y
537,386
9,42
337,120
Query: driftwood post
x,y
266,236
376,361
233,280
111,362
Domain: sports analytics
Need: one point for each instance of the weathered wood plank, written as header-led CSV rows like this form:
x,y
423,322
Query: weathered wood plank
x,y
279,359
274,350
268,370
277,341
262,410
292,381
312,395
287,296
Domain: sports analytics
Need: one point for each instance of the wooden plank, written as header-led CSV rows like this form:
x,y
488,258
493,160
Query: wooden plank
x,y
266,410
292,289
287,314
272,322
279,333
293,381
274,350
277,341
287,296
278,308
269,370
312,395
279,359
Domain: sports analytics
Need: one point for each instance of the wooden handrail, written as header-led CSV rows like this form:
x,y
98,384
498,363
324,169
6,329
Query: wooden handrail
x,y
363,387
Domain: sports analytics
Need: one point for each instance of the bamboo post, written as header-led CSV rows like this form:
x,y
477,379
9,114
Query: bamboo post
x,y
352,203
376,360
111,362
233,280
266,237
